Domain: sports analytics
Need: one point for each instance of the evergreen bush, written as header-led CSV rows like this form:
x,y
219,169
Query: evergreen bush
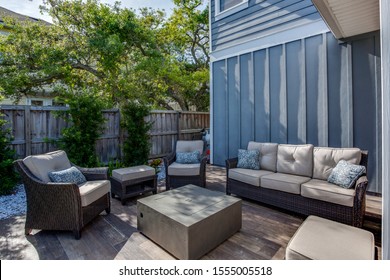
x,y
8,175
136,146
87,122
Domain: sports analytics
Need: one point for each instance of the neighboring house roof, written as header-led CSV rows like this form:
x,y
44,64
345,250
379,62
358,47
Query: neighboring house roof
x,y
8,13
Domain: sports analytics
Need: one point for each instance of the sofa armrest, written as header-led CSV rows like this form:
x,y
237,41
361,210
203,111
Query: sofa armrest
x,y
231,163
92,174
359,204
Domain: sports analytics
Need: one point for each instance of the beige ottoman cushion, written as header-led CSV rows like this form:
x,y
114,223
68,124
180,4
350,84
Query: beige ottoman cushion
x,y
321,239
131,173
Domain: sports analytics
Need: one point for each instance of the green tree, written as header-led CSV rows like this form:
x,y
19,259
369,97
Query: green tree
x,y
112,51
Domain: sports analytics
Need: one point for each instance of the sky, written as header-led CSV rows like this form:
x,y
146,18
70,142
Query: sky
x,y
31,7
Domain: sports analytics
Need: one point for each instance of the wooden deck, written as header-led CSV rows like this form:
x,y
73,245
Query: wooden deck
x,y
264,235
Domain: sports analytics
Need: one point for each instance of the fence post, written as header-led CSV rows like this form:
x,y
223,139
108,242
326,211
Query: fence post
x,y
178,116
27,130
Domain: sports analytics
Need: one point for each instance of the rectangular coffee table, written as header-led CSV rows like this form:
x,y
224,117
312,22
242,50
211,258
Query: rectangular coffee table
x,y
189,221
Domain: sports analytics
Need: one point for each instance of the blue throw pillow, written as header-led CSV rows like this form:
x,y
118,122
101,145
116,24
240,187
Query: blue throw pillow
x,y
249,159
345,174
188,158
70,175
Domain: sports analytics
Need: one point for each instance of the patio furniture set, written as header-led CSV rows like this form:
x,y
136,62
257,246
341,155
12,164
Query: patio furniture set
x,y
188,220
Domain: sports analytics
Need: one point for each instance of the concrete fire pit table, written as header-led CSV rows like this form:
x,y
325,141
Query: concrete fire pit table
x,y
189,221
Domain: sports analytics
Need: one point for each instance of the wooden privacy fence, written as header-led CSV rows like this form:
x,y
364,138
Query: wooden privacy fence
x,y
32,126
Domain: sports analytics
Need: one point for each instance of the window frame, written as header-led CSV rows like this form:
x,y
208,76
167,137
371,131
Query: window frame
x,y
236,8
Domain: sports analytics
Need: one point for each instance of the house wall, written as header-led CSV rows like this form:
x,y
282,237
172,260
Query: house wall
x,y
261,18
313,90
385,47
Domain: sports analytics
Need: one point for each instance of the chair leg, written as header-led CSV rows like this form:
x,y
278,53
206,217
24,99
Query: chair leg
x,y
77,234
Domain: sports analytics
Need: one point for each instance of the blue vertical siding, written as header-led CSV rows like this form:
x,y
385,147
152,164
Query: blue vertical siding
x,y
314,90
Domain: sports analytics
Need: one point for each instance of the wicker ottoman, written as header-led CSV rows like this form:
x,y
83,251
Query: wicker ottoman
x,y
321,239
132,181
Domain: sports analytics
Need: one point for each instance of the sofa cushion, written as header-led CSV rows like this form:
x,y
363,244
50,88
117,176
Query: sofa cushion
x,y
346,174
184,146
325,191
132,173
283,182
41,165
249,159
268,154
295,159
180,169
90,191
325,159
248,176
70,175
188,157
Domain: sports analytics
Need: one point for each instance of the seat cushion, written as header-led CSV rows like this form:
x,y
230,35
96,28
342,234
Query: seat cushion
x,y
189,146
179,169
268,154
325,191
90,191
41,165
295,159
325,159
321,239
132,173
283,182
248,176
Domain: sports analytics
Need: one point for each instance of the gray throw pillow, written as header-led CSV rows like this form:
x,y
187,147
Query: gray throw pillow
x,y
70,175
188,158
345,174
249,159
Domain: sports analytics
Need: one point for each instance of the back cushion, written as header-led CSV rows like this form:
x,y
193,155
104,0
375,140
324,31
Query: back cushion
x,y
268,154
295,159
325,159
41,165
189,146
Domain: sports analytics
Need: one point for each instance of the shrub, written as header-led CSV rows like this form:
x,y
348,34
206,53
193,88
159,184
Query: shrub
x,y
136,146
86,118
8,175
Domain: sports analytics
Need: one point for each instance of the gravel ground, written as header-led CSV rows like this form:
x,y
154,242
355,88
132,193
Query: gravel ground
x,y
15,204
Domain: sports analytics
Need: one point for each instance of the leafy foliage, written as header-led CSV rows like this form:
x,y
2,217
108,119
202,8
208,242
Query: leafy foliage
x,y
136,146
8,175
87,121
112,51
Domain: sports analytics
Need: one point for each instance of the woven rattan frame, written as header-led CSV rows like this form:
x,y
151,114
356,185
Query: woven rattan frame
x,y
57,206
172,182
307,206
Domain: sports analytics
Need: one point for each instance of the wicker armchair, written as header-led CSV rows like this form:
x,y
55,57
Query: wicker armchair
x,y
178,174
62,206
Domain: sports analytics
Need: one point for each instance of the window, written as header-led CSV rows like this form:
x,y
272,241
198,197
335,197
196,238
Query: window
x,y
225,8
227,4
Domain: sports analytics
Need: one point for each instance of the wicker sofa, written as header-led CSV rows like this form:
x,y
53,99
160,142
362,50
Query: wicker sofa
x,y
294,177
62,206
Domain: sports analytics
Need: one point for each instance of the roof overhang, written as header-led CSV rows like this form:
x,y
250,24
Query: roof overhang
x,y
348,18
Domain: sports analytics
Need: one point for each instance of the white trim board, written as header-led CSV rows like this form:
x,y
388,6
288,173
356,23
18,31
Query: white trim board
x,y
293,34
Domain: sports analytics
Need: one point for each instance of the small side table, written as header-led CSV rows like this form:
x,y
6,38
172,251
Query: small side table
x,y
132,181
